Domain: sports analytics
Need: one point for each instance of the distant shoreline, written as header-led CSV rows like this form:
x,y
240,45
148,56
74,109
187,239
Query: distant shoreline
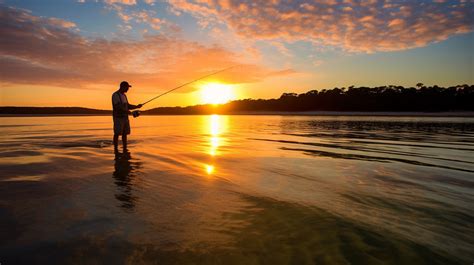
x,y
394,101
283,113
359,113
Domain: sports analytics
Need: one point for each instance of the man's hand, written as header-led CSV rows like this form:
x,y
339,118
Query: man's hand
x,y
139,105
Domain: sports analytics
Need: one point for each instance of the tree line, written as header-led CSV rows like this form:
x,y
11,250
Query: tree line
x,y
383,98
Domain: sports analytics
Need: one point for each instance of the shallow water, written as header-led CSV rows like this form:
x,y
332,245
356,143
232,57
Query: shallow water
x,y
238,190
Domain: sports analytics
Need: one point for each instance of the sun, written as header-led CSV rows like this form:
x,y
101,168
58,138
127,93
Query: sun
x,y
216,93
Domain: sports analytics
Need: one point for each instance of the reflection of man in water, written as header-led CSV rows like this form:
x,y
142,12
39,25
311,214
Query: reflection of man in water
x,y
124,174
121,110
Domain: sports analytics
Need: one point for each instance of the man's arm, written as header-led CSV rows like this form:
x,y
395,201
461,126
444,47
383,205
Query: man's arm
x,y
131,106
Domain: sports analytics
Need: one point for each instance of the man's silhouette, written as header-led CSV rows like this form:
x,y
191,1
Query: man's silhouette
x,y
121,110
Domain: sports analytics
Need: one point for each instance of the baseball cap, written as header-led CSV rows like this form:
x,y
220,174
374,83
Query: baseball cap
x,y
125,84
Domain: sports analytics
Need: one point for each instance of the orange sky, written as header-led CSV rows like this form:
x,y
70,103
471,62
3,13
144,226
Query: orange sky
x,y
76,54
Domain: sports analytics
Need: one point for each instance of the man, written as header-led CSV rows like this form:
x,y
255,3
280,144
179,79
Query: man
x,y
121,110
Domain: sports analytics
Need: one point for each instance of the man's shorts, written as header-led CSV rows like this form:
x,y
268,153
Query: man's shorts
x,y
121,125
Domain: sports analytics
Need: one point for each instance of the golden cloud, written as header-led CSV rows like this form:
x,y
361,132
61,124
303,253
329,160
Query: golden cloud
x,y
49,51
360,26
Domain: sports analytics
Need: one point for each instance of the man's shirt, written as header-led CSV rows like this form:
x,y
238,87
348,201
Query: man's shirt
x,y
119,104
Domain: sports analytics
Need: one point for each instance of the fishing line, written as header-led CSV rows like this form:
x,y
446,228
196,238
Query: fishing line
x,y
136,113
202,77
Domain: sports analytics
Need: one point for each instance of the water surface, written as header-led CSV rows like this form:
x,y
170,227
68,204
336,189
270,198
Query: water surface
x,y
238,190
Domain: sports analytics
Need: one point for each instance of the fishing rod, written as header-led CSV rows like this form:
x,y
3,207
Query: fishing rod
x,y
137,113
185,84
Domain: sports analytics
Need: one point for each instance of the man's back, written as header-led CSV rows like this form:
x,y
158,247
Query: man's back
x,y
119,104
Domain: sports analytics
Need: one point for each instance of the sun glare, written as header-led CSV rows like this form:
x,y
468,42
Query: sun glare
x,y
209,169
216,93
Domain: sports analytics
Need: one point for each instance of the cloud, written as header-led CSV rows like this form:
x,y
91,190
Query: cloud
x,y
149,18
123,2
318,62
145,16
119,2
282,49
203,10
359,26
150,2
47,51
61,23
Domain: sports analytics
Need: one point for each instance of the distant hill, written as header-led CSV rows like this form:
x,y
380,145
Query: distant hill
x,y
53,111
359,99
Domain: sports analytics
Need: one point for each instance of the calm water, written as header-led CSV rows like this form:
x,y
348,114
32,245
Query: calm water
x,y
238,190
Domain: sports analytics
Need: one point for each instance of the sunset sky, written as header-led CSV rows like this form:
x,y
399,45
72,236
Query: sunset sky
x,y
75,53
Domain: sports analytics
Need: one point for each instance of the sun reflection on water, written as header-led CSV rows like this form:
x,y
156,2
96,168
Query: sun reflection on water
x,y
209,169
216,125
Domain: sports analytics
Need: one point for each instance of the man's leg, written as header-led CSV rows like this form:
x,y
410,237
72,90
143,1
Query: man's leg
x,y
125,132
116,141
124,139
